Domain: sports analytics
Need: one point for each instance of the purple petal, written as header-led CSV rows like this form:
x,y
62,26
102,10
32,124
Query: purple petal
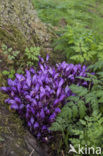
x,y
61,82
57,110
62,97
34,79
41,59
39,135
20,77
5,89
36,125
32,120
32,70
56,102
44,128
42,114
10,82
21,106
47,57
58,91
12,101
14,106
28,97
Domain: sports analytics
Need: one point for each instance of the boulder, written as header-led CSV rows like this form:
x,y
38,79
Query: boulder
x,y
20,25
15,140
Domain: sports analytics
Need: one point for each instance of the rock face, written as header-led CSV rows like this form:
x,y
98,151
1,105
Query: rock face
x,y
14,140
19,27
19,24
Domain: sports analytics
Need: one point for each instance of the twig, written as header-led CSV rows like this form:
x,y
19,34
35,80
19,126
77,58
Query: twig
x,y
63,153
31,152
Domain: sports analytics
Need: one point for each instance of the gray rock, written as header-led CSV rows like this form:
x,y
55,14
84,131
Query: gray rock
x,y
20,25
15,140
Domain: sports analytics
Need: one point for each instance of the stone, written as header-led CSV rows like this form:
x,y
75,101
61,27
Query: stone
x,y
15,139
20,25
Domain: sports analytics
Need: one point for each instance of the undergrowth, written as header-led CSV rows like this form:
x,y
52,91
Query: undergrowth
x,y
79,29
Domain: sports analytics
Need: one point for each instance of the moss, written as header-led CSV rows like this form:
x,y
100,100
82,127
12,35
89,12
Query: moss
x,y
12,37
2,96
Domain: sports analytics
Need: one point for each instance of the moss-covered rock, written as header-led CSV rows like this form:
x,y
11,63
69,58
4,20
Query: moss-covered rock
x,y
19,28
14,139
19,24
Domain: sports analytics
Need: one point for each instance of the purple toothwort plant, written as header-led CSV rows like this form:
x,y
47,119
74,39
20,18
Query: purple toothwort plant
x,y
39,95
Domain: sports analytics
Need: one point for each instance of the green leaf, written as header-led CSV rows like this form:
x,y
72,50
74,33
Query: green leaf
x,y
2,140
5,72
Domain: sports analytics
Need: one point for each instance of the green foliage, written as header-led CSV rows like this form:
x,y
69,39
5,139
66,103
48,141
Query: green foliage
x,y
28,59
31,55
89,131
97,66
61,12
79,45
10,53
80,39
9,74
69,11
81,119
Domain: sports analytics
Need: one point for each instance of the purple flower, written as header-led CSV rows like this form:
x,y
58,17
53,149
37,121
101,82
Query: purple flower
x,y
61,82
36,125
10,82
47,57
41,59
34,79
32,120
39,135
56,102
20,77
52,117
7,100
21,106
5,89
14,106
57,110
28,80
44,127
18,100
42,114
39,95
32,70
28,97
58,91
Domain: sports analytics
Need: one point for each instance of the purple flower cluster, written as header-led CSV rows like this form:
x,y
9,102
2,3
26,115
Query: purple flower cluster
x,y
39,95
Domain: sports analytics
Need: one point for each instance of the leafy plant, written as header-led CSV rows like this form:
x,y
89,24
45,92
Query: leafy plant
x,y
30,58
10,53
89,131
55,12
79,45
62,12
32,54
9,74
77,42
85,108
